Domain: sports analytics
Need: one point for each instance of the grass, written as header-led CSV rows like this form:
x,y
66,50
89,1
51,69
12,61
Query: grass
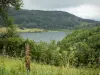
x,y
3,30
15,66
30,30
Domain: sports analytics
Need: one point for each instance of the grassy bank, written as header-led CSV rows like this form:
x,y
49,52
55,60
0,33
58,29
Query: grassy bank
x,y
14,66
3,30
64,30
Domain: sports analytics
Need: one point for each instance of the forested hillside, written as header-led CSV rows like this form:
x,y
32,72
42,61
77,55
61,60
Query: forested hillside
x,y
48,19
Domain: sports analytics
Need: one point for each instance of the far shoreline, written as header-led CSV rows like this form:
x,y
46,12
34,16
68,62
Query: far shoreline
x,y
35,30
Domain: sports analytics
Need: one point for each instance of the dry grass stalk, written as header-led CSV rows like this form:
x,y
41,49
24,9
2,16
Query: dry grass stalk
x,y
28,57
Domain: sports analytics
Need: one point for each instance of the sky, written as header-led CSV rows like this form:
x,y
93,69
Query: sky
x,y
87,9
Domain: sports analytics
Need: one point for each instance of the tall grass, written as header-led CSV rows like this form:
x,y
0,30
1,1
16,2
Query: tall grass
x,y
15,66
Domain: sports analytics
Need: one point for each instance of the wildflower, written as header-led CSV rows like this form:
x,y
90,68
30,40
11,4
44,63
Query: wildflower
x,y
27,58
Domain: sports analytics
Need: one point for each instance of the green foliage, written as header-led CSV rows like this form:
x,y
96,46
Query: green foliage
x,y
85,25
46,53
14,46
9,3
82,47
4,7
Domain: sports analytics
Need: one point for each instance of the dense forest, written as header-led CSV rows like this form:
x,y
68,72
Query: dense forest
x,y
48,19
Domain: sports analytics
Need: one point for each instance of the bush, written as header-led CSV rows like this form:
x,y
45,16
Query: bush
x,y
82,47
13,46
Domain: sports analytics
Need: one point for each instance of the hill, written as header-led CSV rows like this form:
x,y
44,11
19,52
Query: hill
x,y
48,19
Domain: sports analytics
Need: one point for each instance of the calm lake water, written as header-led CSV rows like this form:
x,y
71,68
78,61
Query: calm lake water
x,y
44,36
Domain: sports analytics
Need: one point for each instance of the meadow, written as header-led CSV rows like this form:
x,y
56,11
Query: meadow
x,y
16,66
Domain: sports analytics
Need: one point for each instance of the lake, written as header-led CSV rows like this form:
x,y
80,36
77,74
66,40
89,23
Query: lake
x,y
44,36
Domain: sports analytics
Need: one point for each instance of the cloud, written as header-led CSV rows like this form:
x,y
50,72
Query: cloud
x,y
89,9
55,4
85,11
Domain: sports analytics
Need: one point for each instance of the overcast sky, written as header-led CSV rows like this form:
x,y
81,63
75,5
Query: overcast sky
x,y
89,9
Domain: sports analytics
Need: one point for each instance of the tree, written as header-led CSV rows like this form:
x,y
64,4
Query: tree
x,y
4,7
